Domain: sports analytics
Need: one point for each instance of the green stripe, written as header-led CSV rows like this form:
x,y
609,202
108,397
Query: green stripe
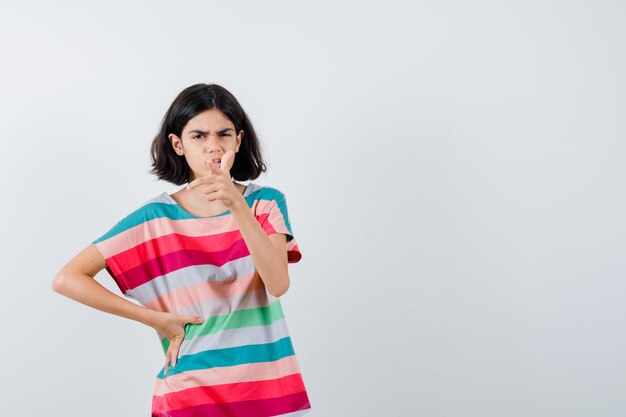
x,y
259,316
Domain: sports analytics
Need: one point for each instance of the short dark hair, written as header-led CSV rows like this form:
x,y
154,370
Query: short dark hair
x,y
167,165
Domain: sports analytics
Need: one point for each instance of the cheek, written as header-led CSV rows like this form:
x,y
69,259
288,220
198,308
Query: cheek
x,y
195,159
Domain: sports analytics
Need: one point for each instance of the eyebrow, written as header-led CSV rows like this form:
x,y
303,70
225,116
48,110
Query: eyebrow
x,y
226,129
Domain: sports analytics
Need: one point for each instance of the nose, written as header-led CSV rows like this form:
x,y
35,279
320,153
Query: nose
x,y
213,141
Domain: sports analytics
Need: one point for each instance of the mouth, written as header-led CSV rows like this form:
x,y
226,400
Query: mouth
x,y
216,161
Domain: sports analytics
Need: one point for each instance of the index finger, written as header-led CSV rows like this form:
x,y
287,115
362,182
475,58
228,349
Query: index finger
x,y
194,183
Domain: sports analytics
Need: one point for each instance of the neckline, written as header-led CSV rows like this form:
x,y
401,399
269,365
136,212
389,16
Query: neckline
x,y
167,195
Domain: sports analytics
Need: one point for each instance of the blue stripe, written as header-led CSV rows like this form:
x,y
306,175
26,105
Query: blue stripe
x,y
239,355
156,210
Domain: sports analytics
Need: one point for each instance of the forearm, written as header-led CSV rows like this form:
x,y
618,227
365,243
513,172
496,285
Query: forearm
x,y
86,290
268,260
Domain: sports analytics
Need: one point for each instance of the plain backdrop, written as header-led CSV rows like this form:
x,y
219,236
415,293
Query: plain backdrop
x,y
455,178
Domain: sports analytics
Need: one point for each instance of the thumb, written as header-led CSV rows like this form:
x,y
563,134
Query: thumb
x,y
227,161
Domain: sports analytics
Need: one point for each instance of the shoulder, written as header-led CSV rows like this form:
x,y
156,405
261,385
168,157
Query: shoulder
x,y
266,192
146,210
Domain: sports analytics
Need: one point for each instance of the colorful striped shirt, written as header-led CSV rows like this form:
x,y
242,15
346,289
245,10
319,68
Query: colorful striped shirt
x,y
240,362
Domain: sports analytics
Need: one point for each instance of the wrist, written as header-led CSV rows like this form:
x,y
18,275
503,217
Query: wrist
x,y
240,205
149,317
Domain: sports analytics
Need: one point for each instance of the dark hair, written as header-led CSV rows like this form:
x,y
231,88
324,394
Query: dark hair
x,y
167,165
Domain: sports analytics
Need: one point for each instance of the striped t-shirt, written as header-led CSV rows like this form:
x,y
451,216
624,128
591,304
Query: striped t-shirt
x,y
240,362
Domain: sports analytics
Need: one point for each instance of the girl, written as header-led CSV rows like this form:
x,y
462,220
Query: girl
x,y
208,264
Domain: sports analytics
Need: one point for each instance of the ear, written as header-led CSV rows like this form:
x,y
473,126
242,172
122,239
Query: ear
x,y
239,139
176,142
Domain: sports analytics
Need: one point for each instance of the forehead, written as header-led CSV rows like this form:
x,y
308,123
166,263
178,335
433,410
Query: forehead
x,y
209,121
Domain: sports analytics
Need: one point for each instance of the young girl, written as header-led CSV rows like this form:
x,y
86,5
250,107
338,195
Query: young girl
x,y
208,264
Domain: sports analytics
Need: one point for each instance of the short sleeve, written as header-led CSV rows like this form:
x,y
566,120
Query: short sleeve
x,y
116,247
277,221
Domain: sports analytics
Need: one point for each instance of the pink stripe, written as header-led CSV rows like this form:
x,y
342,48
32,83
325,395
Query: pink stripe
x,y
180,298
163,226
226,375
142,238
164,262
229,394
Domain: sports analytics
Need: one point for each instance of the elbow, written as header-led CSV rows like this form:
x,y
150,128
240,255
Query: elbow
x,y
57,284
280,291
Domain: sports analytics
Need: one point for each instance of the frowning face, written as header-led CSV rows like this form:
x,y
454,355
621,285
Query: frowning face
x,y
207,136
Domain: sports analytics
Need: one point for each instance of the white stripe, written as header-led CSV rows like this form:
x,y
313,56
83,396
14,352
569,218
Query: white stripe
x,y
242,336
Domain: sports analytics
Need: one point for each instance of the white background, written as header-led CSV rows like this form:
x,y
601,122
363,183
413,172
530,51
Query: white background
x,y
454,172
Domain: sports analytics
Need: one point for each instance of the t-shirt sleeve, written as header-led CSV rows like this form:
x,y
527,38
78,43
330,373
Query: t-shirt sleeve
x,y
116,247
277,221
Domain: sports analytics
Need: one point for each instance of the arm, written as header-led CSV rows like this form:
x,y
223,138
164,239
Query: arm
x,y
76,281
268,252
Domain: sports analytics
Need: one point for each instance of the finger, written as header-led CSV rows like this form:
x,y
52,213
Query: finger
x,y
174,357
213,195
167,362
192,184
175,350
169,356
194,319
227,161
206,188
195,183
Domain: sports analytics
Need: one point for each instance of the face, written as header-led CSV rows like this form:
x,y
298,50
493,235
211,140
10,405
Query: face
x,y
208,135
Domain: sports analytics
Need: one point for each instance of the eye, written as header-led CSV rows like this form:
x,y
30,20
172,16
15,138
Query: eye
x,y
221,134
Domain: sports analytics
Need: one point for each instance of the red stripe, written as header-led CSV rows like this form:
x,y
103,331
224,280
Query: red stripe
x,y
198,251
229,393
254,408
